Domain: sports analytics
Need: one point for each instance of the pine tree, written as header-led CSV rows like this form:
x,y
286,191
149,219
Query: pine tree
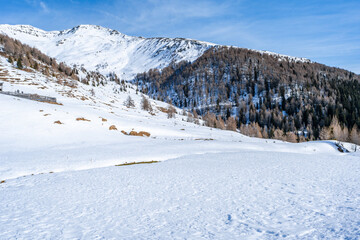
x,y
291,137
19,64
335,129
355,135
325,133
220,123
231,124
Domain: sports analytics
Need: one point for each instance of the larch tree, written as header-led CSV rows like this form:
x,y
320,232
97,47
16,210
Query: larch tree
x,y
231,124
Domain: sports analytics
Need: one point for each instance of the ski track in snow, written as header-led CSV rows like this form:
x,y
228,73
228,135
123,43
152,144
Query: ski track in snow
x,y
244,195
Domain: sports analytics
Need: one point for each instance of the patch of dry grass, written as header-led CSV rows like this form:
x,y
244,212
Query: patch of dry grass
x,y
140,134
162,109
55,103
112,127
134,163
82,119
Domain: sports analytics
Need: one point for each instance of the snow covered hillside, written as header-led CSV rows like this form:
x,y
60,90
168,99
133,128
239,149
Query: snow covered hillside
x,y
106,50
35,143
58,178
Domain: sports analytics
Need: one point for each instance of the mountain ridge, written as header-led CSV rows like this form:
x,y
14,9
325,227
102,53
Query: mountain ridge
x,y
106,50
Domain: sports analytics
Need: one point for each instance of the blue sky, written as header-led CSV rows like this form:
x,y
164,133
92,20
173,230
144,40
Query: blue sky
x,y
325,31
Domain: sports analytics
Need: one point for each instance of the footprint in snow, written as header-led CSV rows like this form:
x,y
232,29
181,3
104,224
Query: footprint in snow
x,y
229,219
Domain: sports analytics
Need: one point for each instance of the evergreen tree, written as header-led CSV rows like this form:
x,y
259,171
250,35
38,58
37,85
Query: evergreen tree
x,y
19,64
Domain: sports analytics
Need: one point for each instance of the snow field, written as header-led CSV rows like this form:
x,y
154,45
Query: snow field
x,y
241,195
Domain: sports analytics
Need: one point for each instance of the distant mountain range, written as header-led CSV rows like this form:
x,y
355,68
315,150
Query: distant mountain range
x,y
105,50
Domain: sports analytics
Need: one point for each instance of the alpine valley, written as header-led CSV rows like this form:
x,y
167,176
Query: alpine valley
x,y
109,136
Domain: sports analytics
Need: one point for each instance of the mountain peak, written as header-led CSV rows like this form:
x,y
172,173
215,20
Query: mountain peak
x,y
26,29
89,29
107,50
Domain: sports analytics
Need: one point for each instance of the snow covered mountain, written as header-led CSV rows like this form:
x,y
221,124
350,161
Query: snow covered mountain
x,y
105,50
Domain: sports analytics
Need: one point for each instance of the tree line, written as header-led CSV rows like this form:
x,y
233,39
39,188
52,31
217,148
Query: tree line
x,y
261,94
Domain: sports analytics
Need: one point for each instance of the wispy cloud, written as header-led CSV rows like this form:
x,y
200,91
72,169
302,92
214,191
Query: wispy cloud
x,y
39,4
161,15
44,7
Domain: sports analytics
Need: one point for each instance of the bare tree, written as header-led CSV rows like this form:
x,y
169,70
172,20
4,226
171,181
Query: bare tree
x,y
231,124
171,111
145,104
129,102
220,123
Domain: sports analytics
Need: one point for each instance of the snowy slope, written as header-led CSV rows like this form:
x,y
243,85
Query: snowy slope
x,y
60,181
105,50
241,195
34,144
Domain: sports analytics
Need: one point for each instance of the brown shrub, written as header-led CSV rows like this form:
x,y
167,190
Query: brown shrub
x,y
123,132
58,122
82,119
27,70
112,127
164,110
104,119
143,133
140,134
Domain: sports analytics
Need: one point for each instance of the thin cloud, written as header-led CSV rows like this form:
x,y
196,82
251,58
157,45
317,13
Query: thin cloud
x,y
44,7
35,3
162,15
